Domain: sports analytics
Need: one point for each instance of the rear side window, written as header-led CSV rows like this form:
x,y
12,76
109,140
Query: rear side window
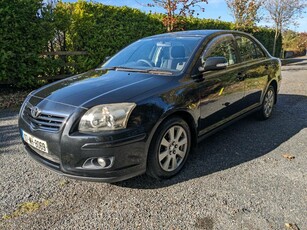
x,y
248,49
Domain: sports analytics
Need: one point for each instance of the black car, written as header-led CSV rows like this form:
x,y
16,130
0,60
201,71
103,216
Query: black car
x,y
146,107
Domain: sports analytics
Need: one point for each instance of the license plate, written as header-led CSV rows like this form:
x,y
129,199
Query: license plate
x,y
35,142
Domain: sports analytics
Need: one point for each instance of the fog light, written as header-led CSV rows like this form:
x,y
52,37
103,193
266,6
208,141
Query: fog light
x,y
98,163
102,162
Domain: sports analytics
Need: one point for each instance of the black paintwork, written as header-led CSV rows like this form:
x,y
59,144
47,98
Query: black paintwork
x,y
196,97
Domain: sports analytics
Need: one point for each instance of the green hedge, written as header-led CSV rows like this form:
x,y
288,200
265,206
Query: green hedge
x,y
99,29
206,24
266,37
23,36
103,30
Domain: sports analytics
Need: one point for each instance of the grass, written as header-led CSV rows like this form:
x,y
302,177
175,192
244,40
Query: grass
x,y
25,208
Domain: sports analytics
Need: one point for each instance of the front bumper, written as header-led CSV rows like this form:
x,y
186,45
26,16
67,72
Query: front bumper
x,y
69,150
129,160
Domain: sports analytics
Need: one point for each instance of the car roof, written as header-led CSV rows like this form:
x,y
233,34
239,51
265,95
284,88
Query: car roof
x,y
200,33
194,33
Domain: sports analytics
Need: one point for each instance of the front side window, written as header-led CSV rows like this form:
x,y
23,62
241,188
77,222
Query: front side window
x,y
222,46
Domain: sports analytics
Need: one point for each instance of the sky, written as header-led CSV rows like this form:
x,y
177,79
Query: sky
x,y
215,9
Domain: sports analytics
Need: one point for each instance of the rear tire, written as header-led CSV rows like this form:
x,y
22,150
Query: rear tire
x,y
169,148
267,105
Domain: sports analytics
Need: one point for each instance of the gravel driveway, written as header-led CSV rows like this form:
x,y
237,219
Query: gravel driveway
x,y
251,175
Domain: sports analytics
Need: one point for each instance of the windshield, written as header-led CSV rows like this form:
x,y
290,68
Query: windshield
x,y
169,54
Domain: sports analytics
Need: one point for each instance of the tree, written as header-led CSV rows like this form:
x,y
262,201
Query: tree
x,y
245,12
293,41
177,8
303,42
283,13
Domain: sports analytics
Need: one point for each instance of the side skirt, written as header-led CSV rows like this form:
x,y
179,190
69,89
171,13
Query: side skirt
x,y
209,133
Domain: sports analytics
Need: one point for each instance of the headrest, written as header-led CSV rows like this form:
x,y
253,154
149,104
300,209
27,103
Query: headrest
x,y
178,52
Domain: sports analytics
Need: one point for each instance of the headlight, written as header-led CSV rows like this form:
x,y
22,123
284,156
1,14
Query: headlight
x,y
24,103
106,117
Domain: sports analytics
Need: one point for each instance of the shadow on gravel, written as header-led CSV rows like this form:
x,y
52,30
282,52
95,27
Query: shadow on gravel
x,y
8,114
9,137
9,134
241,142
294,61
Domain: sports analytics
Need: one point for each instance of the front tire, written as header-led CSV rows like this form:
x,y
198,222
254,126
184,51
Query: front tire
x,y
169,148
267,104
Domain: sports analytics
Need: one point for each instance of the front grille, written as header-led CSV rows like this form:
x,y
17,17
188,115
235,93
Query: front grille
x,y
45,121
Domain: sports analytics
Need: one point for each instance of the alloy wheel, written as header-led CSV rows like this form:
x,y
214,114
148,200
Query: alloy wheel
x,y
173,148
268,103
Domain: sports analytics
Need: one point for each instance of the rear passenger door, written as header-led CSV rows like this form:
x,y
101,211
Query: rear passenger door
x,y
256,73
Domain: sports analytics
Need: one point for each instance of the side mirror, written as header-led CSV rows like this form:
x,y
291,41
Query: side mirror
x,y
214,63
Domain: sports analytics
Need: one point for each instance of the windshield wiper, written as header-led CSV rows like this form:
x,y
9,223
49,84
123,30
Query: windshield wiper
x,y
122,68
159,72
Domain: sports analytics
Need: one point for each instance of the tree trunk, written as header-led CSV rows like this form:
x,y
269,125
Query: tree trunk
x,y
275,41
169,16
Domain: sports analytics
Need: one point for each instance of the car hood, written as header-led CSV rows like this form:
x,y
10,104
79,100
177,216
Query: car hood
x,y
100,87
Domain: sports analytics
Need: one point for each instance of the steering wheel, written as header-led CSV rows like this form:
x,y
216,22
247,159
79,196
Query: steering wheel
x,y
146,62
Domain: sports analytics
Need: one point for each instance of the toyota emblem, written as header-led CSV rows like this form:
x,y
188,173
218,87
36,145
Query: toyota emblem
x,y
35,112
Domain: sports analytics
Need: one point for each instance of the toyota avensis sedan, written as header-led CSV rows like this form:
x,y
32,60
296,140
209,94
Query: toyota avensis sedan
x,y
146,107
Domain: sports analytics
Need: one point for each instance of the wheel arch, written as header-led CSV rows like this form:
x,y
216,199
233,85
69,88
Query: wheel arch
x,y
183,114
151,167
189,119
274,84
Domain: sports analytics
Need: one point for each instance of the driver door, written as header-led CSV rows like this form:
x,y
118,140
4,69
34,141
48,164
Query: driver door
x,y
221,91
